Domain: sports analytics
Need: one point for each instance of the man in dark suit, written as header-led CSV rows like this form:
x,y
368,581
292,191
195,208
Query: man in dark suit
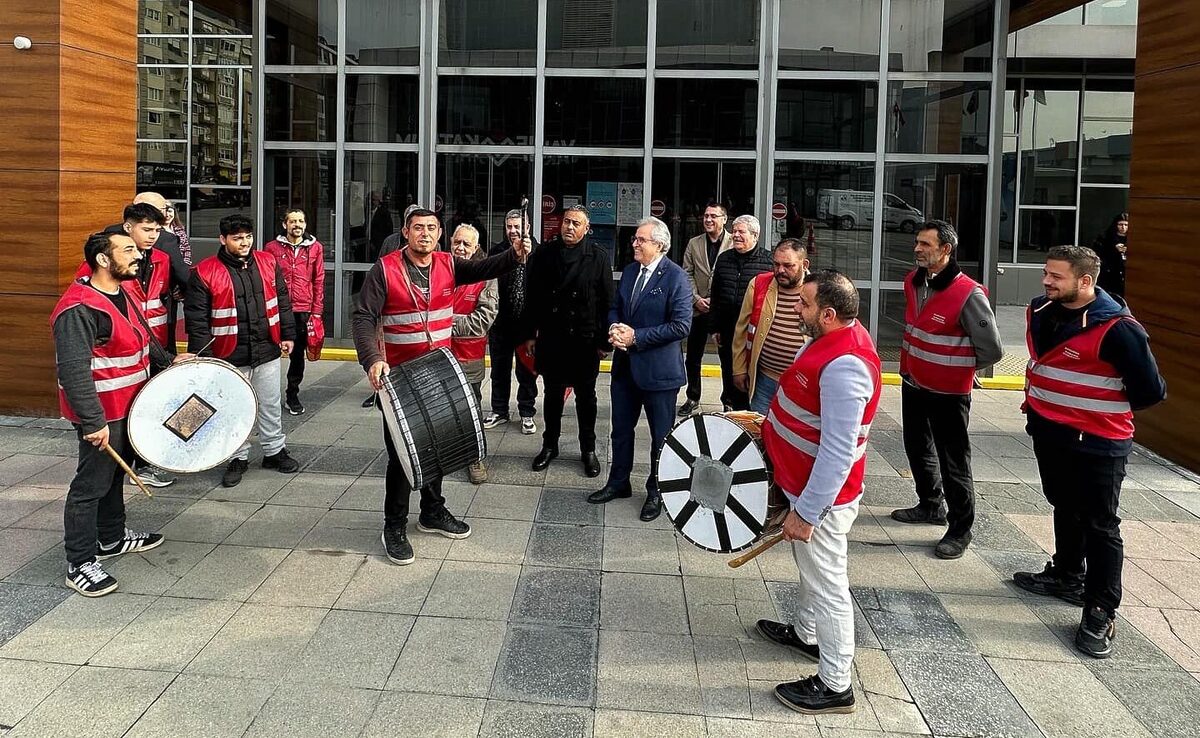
x,y
651,314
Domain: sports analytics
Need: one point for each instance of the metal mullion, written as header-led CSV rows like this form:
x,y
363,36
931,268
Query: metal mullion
x,y
240,97
484,149
339,169
370,146
824,156
940,76
487,71
1103,186
595,72
906,158
539,121
611,151
1048,207
651,79
881,133
751,74
782,74
1078,160
157,65
678,153
258,176
990,258
375,69
299,145
187,172
427,136
1019,115
765,143
223,187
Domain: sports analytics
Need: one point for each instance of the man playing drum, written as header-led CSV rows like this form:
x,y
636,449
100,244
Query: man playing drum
x,y
103,357
816,437
410,293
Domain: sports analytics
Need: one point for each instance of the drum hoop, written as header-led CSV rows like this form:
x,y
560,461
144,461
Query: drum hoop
x,y
480,442
202,359
405,431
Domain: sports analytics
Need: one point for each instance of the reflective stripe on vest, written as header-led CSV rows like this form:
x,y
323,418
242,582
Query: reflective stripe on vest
x,y
936,352
762,283
223,315
407,331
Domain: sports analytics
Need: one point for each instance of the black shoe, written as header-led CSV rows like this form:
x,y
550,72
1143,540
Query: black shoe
x,y
591,464
651,508
921,513
444,524
688,408
1096,632
952,548
89,579
281,461
294,407
1050,583
369,402
785,635
811,697
610,492
131,542
396,546
544,457
233,473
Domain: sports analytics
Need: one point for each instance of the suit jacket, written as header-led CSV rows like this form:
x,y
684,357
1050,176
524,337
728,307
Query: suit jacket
x,y
695,263
661,318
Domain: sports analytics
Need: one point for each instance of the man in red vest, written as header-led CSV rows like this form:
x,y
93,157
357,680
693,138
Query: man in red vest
x,y
1090,368
949,334
815,434
475,307
103,356
238,299
410,294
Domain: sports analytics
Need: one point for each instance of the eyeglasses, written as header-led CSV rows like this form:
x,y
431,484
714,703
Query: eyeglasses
x,y
710,216
639,241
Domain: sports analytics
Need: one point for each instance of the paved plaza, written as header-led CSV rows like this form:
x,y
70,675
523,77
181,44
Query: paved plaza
x,y
270,610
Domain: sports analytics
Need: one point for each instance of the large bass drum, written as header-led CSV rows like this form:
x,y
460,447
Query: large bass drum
x,y
192,416
716,481
433,417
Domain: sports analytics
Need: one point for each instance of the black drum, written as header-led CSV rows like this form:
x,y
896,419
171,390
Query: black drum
x,y
433,417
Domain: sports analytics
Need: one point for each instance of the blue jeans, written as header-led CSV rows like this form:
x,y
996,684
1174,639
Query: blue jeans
x,y
764,392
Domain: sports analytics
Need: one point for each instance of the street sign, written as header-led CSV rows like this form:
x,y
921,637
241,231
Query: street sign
x,y
548,204
779,211
657,208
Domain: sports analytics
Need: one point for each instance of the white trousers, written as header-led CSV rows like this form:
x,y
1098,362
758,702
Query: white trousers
x,y
826,614
265,381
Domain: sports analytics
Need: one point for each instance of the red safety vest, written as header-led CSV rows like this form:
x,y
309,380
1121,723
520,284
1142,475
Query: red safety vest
x,y
762,283
154,301
412,323
122,364
223,318
1071,385
792,430
468,348
936,352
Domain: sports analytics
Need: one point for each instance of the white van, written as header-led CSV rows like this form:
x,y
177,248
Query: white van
x,y
850,209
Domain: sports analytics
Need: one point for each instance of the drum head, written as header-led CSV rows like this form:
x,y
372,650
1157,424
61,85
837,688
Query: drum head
x,y
192,416
714,483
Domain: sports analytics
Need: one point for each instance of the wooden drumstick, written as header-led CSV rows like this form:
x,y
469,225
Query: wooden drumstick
x,y
121,463
759,549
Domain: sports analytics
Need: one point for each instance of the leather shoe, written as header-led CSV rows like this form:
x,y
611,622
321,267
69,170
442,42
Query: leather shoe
x,y
591,464
544,457
610,492
651,508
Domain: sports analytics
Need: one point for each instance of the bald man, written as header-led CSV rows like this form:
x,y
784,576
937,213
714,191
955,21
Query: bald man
x,y
168,243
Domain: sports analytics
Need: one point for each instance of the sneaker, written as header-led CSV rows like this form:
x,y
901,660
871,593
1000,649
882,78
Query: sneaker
x,y
396,546
281,461
1096,632
811,697
233,472
491,420
687,408
152,476
921,513
369,402
1051,583
443,523
131,543
89,579
528,427
294,406
785,635
477,473
952,548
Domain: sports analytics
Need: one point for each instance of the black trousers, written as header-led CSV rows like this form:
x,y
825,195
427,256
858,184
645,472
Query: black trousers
x,y
583,381
503,349
398,490
730,395
697,342
295,372
939,452
95,505
1085,491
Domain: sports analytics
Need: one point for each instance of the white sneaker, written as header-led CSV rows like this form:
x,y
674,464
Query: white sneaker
x,y
528,427
491,420
152,476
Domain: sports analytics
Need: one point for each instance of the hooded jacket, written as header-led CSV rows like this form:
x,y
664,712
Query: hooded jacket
x,y
303,268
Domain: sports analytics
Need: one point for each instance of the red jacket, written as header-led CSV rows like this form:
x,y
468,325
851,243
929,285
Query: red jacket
x,y
467,349
155,300
303,268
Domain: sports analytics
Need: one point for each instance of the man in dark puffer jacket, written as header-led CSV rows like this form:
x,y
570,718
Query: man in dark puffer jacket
x,y
731,277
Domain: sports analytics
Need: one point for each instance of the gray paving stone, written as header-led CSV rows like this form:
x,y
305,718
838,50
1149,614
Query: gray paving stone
x,y
511,720
505,502
257,488
57,476
643,602
578,546
873,565
514,470
24,684
204,707
1131,649
309,579
640,550
724,686
1012,497
992,530
73,630
57,444
310,489
472,590
890,492
154,572
548,665
349,531
355,649
434,716
20,501
378,467
18,547
381,586
314,711
48,517
787,597
960,695
912,621
1165,701
654,672
276,526
628,724
229,573
1005,627
166,635
208,521
142,513
449,656
879,686
259,642
493,540
560,505
557,597
364,494
70,710
22,466
967,575
732,728
343,460
1067,700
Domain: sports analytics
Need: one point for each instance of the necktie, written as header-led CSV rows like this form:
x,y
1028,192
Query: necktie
x,y
638,286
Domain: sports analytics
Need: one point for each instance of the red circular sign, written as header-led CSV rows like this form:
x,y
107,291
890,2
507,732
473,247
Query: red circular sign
x,y
438,204
779,211
548,204
657,208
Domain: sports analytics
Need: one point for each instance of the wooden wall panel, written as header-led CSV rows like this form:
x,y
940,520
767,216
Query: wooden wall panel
x,y
1165,127
27,379
1168,35
1164,262
29,213
1025,13
38,21
98,113
29,123
89,202
102,27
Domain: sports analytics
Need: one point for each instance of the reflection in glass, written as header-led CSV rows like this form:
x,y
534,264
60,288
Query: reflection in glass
x,y
210,204
163,16
1049,151
956,193
379,186
706,34
223,51
486,110
487,33
247,126
826,116
382,108
156,50
1042,230
1008,200
162,111
685,187
938,117
831,208
891,325
300,107
592,111
161,167
1107,134
829,35
231,17
214,126
601,35
1097,208
478,189
705,113
301,32
383,33
941,36
594,182
1111,13
305,180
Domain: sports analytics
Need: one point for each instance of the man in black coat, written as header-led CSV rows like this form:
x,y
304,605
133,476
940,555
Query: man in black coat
x,y
505,337
569,288
732,273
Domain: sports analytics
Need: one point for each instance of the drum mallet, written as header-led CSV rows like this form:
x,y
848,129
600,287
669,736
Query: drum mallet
x,y
121,463
759,549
